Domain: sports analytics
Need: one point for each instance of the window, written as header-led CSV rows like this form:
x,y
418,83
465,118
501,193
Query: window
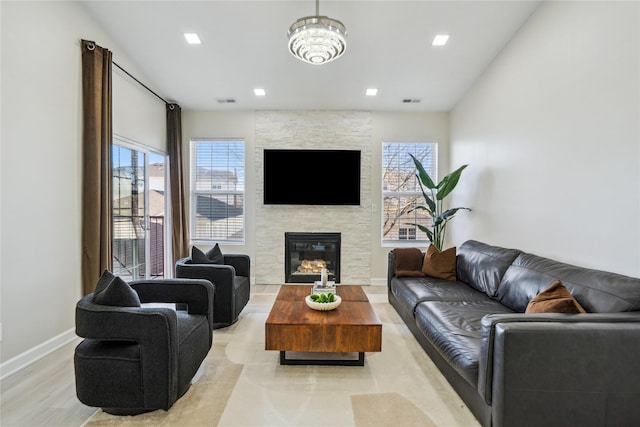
x,y
401,191
217,191
407,233
139,206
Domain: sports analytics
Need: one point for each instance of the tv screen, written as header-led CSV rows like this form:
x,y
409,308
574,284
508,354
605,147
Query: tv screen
x,y
311,177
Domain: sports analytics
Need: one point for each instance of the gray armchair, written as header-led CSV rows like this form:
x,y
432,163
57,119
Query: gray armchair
x,y
136,359
231,282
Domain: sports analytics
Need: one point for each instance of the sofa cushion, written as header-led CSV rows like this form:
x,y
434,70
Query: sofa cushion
x,y
454,327
116,293
555,299
408,262
482,266
411,291
596,291
440,264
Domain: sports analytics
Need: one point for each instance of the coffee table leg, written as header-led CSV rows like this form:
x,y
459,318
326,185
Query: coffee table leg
x,y
334,362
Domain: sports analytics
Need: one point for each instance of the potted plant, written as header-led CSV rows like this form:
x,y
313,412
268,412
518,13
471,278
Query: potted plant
x,y
434,195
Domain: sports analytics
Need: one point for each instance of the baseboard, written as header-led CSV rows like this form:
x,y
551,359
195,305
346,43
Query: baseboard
x,y
379,281
23,360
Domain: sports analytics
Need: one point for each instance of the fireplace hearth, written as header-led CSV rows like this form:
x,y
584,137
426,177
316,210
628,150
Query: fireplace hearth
x,y
306,254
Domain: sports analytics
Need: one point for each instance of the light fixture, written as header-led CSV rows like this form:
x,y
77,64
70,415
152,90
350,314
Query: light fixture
x,y
317,39
440,40
259,92
371,91
192,38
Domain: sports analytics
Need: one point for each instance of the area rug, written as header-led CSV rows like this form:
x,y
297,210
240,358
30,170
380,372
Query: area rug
x,y
240,384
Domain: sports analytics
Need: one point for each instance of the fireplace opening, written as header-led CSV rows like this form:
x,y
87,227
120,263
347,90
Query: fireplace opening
x,y
306,254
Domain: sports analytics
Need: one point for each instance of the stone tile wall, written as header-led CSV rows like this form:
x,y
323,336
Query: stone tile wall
x,y
346,130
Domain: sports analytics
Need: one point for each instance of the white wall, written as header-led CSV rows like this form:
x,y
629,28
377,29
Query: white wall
x,y
552,135
40,169
400,127
220,125
385,126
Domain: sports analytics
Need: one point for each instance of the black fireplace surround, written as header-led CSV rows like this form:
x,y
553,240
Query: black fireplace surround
x,y
306,253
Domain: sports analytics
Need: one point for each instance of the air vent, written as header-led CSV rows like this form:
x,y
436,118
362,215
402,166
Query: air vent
x,y
226,100
411,101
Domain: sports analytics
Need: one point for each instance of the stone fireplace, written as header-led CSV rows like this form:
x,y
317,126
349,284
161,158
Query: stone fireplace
x,y
307,253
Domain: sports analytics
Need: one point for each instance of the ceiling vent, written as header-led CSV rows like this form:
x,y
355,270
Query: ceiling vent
x,y
226,101
411,100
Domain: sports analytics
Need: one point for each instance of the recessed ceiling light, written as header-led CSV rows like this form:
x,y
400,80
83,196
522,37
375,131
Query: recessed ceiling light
x,y
371,91
259,92
192,38
440,40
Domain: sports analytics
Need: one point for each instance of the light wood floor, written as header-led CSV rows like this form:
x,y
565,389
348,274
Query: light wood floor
x,y
43,394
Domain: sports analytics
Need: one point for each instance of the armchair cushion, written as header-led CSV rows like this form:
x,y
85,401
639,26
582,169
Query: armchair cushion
x,y
112,290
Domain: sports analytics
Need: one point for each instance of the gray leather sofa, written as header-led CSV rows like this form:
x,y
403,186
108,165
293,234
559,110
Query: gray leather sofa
x,y
517,369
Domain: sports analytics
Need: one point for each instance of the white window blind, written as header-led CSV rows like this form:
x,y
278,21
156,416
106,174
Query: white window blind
x,y
217,190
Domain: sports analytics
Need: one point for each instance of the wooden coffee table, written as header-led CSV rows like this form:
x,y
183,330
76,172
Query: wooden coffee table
x,y
353,327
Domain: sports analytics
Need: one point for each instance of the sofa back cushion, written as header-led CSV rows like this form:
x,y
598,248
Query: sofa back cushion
x,y
482,266
596,291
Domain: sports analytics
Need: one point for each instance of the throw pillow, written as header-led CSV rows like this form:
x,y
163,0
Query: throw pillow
x,y
215,255
117,293
212,256
555,299
407,262
104,280
440,264
199,257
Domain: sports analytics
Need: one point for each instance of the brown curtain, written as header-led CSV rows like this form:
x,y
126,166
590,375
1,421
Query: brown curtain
x,y
180,230
96,164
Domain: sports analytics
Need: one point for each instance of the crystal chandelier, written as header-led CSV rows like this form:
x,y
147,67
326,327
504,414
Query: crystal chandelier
x,y
317,39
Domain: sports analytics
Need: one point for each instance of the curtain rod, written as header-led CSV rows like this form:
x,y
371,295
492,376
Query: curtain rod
x,y
142,84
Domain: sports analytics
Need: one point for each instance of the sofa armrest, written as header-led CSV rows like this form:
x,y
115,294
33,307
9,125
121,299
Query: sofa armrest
x,y
390,267
559,369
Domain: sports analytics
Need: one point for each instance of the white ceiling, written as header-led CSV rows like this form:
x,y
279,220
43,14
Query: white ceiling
x,y
245,46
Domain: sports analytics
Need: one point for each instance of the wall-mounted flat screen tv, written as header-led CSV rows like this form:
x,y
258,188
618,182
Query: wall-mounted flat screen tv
x,y
311,177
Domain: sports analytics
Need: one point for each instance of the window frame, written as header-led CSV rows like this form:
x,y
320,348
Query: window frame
x,y
147,150
420,237
194,192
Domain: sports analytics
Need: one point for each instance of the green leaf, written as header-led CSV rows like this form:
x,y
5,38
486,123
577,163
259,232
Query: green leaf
x,y
449,213
424,177
425,230
449,182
